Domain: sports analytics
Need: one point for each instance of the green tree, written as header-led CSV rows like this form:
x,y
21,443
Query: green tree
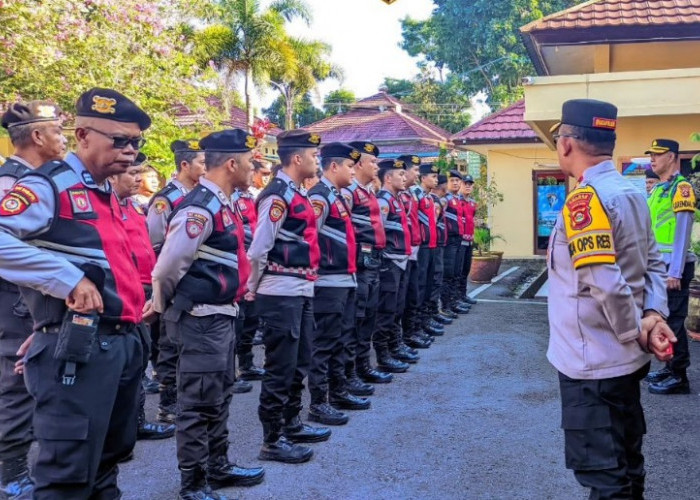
x,y
338,101
303,113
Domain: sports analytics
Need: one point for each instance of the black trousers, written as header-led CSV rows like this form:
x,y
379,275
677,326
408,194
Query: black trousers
x,y
678,311
85,429
146,342
425,276
453,265
604,425
390,276
438,276
409,307
466,268
334,314
154,329
366,302
205,376
287,325
16,405
246,325
166,367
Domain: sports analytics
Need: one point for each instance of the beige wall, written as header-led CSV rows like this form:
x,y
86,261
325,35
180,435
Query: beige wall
x,y
5,146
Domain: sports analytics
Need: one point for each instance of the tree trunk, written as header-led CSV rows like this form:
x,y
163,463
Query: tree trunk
x,y
248,106
289,110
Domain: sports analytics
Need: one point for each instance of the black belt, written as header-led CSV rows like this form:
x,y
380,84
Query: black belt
x,y
104,328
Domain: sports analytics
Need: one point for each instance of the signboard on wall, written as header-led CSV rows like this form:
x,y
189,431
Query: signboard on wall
x,y
550,202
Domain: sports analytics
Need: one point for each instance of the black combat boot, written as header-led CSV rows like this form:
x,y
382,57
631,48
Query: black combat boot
x,y
386,363
15,483
149,385
346,401
356,386
447,311
167,408
241,386
278,448
193,486
325,414
460,308
658,375
247,370
370,375
298,432
221,473
405,354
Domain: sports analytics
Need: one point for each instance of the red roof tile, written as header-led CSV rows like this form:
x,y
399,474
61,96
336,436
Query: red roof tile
x,y
616,13
506,125
238,118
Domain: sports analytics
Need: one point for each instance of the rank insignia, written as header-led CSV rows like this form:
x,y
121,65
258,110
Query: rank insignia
x,y
195,224
80,201
159,206
104,105
17,200
277,210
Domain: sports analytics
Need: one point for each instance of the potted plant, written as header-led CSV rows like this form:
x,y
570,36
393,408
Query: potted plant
x,y
485,262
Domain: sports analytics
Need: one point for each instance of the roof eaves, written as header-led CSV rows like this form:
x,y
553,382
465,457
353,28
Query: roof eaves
x,y
510,140
538,22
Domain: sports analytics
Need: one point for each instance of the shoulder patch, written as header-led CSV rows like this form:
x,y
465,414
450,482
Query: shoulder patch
x,y
277,210
195,224
588,229
17,200
319,206
684,198
160,205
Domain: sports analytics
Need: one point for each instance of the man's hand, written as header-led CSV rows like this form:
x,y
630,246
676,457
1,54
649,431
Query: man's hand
x,y
21,352
649,322
673,283
249,297
660,340
85,298
149,312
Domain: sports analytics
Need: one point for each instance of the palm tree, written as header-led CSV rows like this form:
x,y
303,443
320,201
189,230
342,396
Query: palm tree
x,y
244,40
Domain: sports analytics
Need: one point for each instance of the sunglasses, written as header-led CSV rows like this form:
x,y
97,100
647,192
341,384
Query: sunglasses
x,y
557,136
120,141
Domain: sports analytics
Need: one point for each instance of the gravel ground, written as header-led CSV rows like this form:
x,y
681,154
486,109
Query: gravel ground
x,y
476,418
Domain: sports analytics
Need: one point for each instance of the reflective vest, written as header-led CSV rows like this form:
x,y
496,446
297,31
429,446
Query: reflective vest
x,y
366,217
245,206
220,269
411,208
88,230
663,216
468,212
336,239
426,217
398,234
136,230
454,216
295,252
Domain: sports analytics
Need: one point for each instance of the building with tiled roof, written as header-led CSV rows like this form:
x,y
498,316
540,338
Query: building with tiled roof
x,y
506,126
387,122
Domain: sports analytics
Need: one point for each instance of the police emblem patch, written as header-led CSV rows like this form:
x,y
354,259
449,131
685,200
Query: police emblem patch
x,y
355,155
415,160
193,145
277,210
588,229
318,207
242,206
684,198
195,224
17,200
385,209
315,139
46,111
579,205
80,201
104,105
251,142
159,206
369,148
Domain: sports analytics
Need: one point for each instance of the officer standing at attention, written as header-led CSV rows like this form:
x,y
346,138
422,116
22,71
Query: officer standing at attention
x,y
83,291
469,207
334,292
189,165
672,205
284,258
201,272
438,193
36,133
392,354
124,186
454,250
606,306
371,240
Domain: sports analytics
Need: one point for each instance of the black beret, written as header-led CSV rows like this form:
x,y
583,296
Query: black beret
x,y
389,164
365,147
31,112
298,138
661,146
442,179
428,168
651,174
340,150
140,159
588,113
111,105
229,141
186,145
454,173
410,160
468,179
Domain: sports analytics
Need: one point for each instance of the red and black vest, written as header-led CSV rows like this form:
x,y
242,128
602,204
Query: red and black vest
x,y
398,234
468,213
454,216
336,239
245,206
220,270
15,170
426,217
87,230
172,193
295,252
440,220
411,208
136,230
366,217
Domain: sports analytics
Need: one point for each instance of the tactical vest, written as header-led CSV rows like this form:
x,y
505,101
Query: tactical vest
x,y
136,230
172,195
87,229
336,239
468,212
398,234
411,208
245,206
220,269
440,221
295,252
14,169
663,218
367,218
454,217
426,217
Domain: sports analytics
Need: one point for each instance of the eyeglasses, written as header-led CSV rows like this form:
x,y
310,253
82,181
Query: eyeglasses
x,y
557,136
120,141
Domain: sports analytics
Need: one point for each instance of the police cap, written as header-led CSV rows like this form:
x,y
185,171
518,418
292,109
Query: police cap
x,y
365,147
31,112
454,173
392,164
340,150
111,105
660,146
428,168
410,160
442,179
588,113
229,141
187,145
298,138
468,179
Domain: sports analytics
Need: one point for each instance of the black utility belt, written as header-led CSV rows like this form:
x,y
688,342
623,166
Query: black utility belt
x,y
368,257
104,328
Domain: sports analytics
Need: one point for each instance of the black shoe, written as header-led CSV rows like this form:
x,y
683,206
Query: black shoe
x,y
658,375
325,414
150,386
298,432
15,482
241,387
460,309
251,373
194,486
433,330
404,347
405,355
167,407
470,301
417,343
285,451
671,385
347,401
150,431
443,320
388,364
449,313
223,473
372,376
357,387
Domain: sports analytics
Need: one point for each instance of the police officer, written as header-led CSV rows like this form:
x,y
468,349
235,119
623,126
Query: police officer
x,y
371,240
36,133
651,180
454,250
672,205
189,165
124,186
201,272
606,304
392,354
80,283
438,193
284,259
334,292
469,207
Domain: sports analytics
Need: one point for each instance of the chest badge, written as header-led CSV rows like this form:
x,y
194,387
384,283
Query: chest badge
x,y
80,201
